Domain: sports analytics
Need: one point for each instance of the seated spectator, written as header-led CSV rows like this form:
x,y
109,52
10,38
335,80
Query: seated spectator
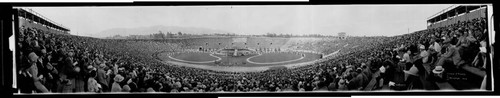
x,y
126,88
481,59
342,85
32,76
451,54
434,50
412,78
424,54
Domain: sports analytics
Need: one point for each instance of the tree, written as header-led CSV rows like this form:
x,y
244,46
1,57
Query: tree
x,y
179,33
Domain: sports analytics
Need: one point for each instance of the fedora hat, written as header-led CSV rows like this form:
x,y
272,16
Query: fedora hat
x,y
412,71
438,69
118,78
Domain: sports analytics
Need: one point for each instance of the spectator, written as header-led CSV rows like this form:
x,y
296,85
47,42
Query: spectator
x,y
92,84
451,54
102,77
116,86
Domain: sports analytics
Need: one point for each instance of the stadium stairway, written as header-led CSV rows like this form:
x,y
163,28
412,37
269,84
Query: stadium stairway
x,y
373,82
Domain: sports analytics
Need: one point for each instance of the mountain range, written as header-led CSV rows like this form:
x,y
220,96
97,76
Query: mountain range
x,y
156,29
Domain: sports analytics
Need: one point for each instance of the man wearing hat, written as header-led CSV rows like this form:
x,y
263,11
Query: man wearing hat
x,y
342,85
435,49
126,88
68,74
412,78
424,54
51,72
92,85
115,87
438,72
32,71
452,54
102,77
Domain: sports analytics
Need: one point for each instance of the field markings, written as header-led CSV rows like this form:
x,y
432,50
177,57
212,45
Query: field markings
x,y
218,59
220,68
228,68
248,60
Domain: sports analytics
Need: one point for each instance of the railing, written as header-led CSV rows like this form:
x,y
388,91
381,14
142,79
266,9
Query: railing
x,y
454,18
443,11
42,17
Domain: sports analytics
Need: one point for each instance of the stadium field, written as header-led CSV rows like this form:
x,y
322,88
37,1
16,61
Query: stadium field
x,y
208,60
275,57
195,57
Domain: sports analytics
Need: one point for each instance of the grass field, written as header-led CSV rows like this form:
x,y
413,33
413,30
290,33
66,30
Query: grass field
x,y
275,57
195,57
207,60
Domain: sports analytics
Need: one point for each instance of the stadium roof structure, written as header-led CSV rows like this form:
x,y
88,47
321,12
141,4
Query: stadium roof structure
x,y
34,16
452,11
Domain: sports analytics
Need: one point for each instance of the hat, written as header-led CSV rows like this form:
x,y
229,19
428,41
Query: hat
x,y
438,69
70,54
77,69
421,46
126,88
44,51
382,69
118,78
358,69
90,67
413,71
392,83
150,89
32,56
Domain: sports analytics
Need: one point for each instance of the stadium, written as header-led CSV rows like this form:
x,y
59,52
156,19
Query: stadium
x,y
247,54
212,64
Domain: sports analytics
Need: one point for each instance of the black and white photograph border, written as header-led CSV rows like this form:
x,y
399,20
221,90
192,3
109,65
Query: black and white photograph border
x,y
253,49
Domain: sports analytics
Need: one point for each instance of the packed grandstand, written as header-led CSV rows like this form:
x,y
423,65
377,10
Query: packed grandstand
x,y
64,63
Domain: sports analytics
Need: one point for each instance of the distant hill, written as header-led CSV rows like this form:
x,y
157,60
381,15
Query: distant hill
x,y
155,29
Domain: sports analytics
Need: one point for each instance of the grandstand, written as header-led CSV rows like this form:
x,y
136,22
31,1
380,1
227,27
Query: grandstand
x,y
456,13
30,18
464,15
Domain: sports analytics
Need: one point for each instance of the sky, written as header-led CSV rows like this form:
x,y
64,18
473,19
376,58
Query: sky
x,y
355,20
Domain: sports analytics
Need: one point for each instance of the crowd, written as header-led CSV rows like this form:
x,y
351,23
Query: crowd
x,y
49,62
